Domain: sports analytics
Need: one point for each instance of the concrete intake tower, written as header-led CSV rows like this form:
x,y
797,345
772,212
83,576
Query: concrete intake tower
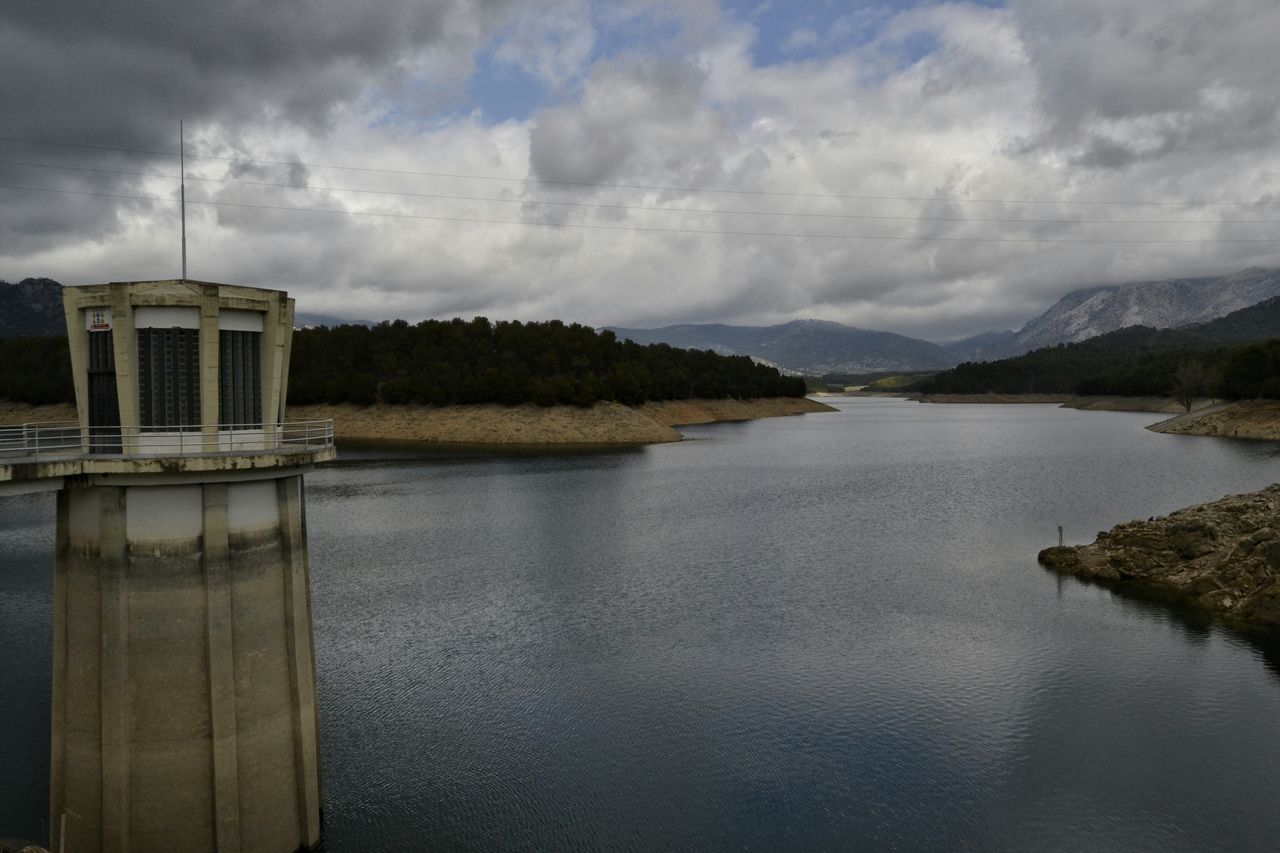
x,y
184,697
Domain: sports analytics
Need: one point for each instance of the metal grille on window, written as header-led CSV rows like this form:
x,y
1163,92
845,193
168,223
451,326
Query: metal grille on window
x,y
104,408
240,379
169,377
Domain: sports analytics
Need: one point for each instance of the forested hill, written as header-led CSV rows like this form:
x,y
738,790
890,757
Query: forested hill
x,y
456,361
1237,356
32,306
36,370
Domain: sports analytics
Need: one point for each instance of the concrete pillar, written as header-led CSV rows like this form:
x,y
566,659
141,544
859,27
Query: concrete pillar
x,y
184,706
78,344
124,337
210,352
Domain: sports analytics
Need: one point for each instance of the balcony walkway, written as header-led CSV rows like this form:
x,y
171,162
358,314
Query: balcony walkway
x,y
39,457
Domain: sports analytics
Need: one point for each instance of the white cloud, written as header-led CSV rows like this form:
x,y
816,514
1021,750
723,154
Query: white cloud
x,y
551,41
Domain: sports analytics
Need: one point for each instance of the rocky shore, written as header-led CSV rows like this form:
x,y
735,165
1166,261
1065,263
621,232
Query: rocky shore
x,y
1223,557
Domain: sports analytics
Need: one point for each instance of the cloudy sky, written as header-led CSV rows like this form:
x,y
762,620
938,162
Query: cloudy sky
x,y
934,169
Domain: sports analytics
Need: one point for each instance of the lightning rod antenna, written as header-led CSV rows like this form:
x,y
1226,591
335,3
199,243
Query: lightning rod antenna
x,y
182,191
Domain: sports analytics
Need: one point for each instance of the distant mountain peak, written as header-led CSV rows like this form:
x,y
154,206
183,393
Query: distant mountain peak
x,y
1098,309
32,306
808,346
1160,304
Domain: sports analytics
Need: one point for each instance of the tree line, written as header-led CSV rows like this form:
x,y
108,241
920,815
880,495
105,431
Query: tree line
x,y
1136,361
36,370
445,362
449,362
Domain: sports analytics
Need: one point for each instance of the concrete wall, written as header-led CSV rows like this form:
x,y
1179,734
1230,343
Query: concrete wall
x,y
191,304
184,710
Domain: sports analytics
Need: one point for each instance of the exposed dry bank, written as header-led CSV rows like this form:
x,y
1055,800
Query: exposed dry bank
x,y
603,423
1222,556
1257,419
21,413
1254,419
1071,401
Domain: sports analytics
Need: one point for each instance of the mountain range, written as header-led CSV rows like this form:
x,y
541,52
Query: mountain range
x,y
1164,304
816,347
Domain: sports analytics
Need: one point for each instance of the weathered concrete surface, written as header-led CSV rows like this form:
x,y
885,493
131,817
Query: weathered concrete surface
x,y
210,299
1222,556
211,463
184,711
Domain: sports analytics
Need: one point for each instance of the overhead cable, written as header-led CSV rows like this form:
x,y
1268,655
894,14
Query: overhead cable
x,y
634,228
654,187
645,208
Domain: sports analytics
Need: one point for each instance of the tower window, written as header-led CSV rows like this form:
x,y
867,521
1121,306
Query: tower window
x,y
239,378
169,377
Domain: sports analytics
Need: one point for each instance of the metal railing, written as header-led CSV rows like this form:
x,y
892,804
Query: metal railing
x,y
62,440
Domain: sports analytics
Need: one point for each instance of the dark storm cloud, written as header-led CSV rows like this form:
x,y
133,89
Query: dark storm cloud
x,y
123,72
121,75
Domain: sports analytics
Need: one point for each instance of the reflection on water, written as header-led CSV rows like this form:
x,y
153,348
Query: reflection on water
x,y
826,632
1200,626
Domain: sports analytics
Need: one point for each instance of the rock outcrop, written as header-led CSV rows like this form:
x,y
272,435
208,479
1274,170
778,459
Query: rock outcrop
x,y
1223,556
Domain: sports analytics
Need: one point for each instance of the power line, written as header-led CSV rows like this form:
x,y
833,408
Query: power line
x,y
650,208
653,208
635,228
649,187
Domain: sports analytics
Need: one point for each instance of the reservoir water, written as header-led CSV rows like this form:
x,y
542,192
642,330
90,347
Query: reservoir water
x,y
822,632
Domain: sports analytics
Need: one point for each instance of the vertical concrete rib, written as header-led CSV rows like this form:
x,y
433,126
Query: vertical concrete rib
x,y
210,352
222,686
114,686
301,656
125,341
57,734
78,344
311,634
286,348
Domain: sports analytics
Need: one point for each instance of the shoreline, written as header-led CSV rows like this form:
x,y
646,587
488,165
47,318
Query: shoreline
x,y
1256,420
487,424
1159,405
1220,557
